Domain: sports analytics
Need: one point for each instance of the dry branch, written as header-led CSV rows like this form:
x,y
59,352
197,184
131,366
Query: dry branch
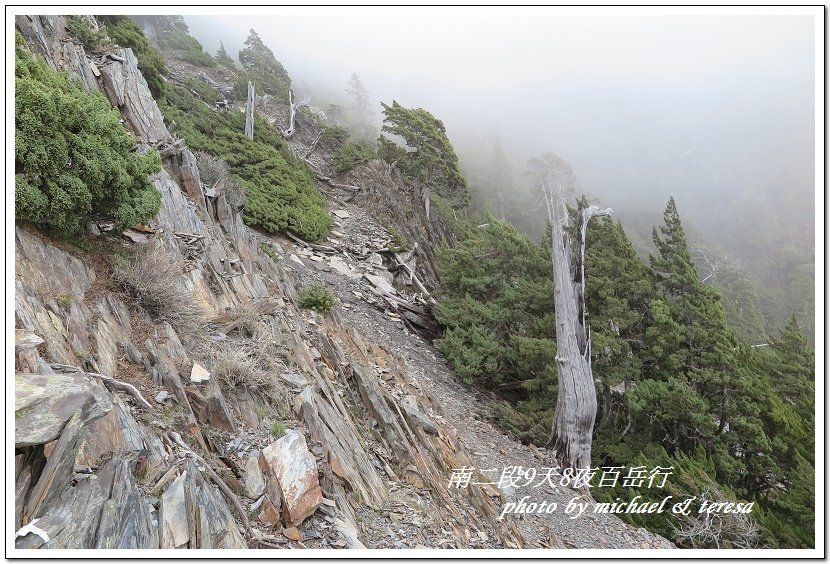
x,y
319,248
323,178
129,388
314,144
412,276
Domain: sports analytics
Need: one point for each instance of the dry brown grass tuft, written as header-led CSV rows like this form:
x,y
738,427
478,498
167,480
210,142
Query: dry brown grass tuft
x,y
151,280
248,363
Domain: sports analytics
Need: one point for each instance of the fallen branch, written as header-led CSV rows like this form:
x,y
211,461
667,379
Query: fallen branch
x,y
418,284
267,544
411,253
323,178
334,184
314,145
190,236
129,388
176,438
320,248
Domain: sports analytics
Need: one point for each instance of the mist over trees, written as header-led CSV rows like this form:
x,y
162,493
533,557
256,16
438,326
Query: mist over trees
x,y
698,294
716,111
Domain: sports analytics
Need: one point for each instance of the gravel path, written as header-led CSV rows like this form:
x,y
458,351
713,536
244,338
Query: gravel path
x,y
462,407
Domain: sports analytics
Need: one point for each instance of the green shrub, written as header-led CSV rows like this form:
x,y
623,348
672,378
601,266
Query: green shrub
x,y
398,238
204,91
269,250
126,33
262,85
188,48
316,297
335,133
350,155
496,306
73,157
279,187
81,30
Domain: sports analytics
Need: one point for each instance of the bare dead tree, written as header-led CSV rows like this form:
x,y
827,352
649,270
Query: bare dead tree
x,y
314,144
714,263
249,112
576,403
718,530
293,107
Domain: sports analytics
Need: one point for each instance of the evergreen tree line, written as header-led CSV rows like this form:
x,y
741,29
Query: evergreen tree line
x,y
674,385
763,279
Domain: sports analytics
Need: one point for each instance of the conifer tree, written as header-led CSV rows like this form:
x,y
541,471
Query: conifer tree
x,y
223,58
360,107
263,69
706,344
792,377
432,161
618,293
496,307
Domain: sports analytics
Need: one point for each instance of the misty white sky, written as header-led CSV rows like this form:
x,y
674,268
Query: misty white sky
x,y
642,106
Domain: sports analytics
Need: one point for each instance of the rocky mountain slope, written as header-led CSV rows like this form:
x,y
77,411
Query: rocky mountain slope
x,y
269,426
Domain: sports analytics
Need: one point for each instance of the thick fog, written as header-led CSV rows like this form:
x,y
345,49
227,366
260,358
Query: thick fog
x,y
716,110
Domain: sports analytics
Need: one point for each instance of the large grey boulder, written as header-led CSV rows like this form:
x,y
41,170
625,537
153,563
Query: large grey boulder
x,y
43,403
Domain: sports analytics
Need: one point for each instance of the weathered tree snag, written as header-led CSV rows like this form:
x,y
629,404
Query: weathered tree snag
x,y
314,144
501,206
576,404
293,114
249,112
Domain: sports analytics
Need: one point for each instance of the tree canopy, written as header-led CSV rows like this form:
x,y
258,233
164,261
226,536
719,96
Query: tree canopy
x,y
360,108
223,58
73,157
263,69
430,158
675,387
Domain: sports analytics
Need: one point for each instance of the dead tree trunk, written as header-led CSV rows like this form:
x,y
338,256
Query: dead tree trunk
x,y
293,114
576,404
249,113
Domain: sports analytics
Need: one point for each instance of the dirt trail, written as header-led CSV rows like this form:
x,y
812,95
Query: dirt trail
x,y
465,409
